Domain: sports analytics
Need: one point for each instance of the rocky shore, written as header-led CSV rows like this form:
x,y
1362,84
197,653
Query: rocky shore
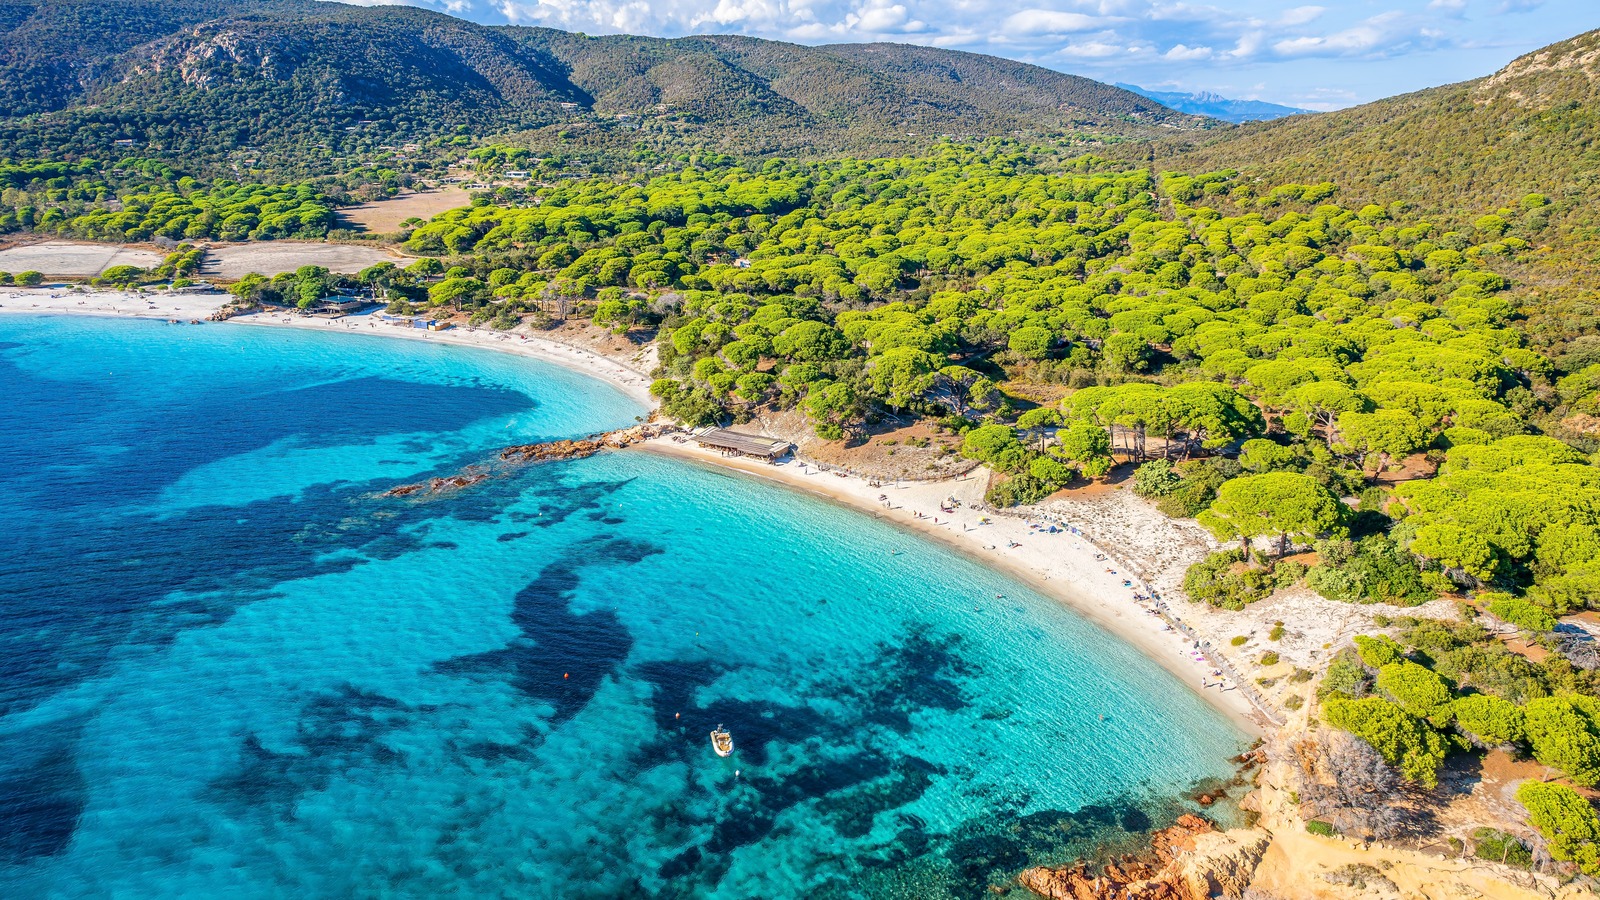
x,y
547,451
589,446
1192,860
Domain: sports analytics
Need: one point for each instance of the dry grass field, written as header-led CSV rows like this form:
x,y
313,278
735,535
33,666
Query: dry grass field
x,y
74,259
385,216
233,261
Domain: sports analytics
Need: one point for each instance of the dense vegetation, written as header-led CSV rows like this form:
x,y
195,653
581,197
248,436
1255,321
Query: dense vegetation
x,y
1444,687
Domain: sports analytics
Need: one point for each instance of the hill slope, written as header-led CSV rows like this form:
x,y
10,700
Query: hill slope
x,y
1529,128
305,79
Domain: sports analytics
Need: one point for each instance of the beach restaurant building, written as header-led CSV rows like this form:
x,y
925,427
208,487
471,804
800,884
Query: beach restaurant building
x,y
737,443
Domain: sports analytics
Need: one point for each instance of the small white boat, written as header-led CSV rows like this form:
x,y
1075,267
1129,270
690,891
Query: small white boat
x,y
722,742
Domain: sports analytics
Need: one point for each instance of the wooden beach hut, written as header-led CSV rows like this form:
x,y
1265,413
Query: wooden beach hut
x,y
738,443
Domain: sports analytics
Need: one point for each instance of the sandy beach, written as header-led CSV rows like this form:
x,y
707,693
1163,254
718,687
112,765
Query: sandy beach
x,y
1063,565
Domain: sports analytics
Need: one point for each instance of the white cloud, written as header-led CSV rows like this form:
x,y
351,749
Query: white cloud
x,y
1184,53
1376,32
1448,6
1049,21
1301,15
1096,50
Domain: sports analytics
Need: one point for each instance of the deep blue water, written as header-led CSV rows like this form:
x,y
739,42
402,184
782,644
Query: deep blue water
x,y
228,668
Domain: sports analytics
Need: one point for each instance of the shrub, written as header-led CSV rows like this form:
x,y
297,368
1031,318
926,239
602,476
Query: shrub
x,y
1497,846
1526,616
1018,490
1490,721
1403,740
1378,651
1373,570
1276,634
1239,640
1213,581
1567,822
1417,690
1294,701
1269,658
1317,826
1564,732
1346,677
1156,479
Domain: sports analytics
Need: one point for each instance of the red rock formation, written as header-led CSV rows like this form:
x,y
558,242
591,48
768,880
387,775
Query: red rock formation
x,y
1175,873
549,450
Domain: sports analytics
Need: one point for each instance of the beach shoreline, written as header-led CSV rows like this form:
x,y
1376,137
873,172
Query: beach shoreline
x,y
188,307
1062,566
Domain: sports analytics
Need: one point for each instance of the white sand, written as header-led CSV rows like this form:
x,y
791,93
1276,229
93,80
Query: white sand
x,y
1062,565
120,304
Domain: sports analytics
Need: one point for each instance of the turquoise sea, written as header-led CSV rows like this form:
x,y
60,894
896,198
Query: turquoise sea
x,y
229,669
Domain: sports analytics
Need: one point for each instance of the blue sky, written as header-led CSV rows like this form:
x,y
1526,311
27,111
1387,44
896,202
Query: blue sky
x,y
1315,56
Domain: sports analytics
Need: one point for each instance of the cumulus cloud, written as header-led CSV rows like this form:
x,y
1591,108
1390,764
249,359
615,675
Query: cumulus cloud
x,y
1049,21
1185,53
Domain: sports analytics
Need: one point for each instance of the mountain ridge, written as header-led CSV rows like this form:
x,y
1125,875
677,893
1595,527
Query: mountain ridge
x,y
1216,106
293,76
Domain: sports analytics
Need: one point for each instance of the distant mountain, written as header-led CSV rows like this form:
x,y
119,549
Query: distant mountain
x,y
1216,106
302,80
1532,127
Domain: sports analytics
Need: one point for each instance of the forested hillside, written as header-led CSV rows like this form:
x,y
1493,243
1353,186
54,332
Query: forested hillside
x,y
1478,145
296,87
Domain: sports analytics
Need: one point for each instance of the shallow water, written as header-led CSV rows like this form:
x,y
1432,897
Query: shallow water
x,y
227,668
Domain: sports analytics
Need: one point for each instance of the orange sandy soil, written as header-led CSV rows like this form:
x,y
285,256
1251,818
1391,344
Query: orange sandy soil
x,y
1411,468
1481,793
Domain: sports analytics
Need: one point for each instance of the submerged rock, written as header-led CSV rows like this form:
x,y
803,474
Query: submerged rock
x,y
435,486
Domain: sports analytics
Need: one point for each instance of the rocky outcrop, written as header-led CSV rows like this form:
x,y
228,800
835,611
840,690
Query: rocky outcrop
x,y
1222,863
436,486
1190,861
552,450
523,453
611,440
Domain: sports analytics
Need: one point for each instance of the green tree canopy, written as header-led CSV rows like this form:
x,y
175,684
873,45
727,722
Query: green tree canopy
x,y
1286,505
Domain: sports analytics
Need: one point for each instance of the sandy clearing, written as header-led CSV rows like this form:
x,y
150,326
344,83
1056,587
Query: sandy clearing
x,y
385,216
234,261
75,259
